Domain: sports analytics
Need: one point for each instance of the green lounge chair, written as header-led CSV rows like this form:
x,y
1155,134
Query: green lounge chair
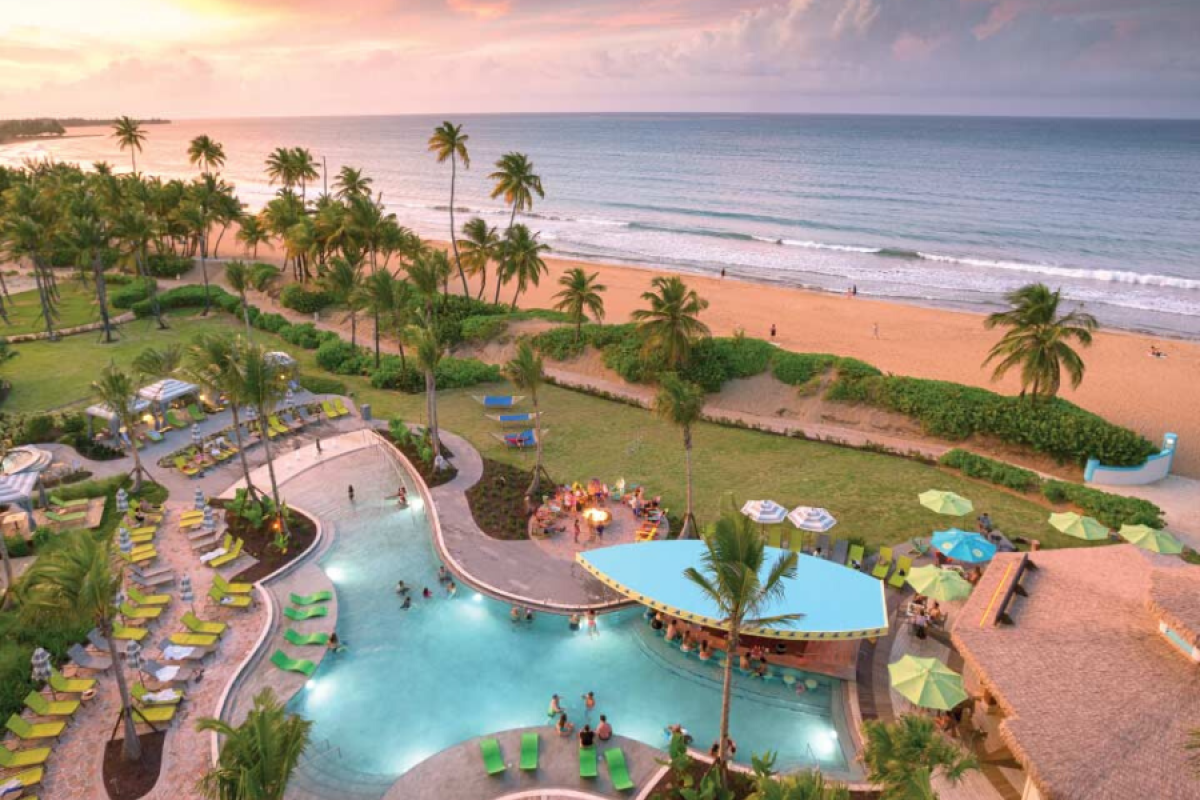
x,y
38,704
340,406
329,410
197,625
195,413
230,600
529,751
296,637
11,759
301,614
154,714
140,556
231,588
124,634
493,760
903,567
70,685
301,665
230,556
73,516
884,564
618,770
28,731
174,421
774,537
58,502
144,612
193,639
154,435
183,466
589,764
857,556
310,599
277,426
139,692
148,599
30,777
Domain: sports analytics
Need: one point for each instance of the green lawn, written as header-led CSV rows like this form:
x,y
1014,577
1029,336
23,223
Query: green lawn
x,y
873,496
76,306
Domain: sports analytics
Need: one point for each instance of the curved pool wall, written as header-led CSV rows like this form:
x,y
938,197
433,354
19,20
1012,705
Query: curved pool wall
x,y
414,682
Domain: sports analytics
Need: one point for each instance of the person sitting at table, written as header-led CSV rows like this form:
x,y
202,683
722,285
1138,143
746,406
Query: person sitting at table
x,y
672,631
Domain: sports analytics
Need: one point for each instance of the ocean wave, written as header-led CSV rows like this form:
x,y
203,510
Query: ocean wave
x,y
1102,275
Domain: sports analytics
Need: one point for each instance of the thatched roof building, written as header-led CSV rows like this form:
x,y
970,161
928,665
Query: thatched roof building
x,y
1095,664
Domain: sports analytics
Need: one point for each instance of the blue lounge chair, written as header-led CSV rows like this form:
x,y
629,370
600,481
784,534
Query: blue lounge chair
x,y
499,401
526,418
526,438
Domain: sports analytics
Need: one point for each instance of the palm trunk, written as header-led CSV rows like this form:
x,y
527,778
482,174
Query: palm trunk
x,y
102,298
735,636
536,484
512,219
689,521
237,437
8,572
138,469
131,748
516,294
140,258
353,329
245,314
204,273
400,344
266,440
39,279
431,412
499,283
376,313
482,281
578,328
133,157
3,285
453,230
217,246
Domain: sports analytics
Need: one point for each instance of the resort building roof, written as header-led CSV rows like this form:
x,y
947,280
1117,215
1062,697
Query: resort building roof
x,y
166,390
1096,666
835,602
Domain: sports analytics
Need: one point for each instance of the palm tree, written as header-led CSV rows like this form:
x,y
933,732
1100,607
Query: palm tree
x,y
136,229
902,757
118,391
681,403
280,168
262,384
206,153
449,142
521,259
479,245
159,363
526,372
808,784
24,236
251,233
402,314
350,182
732,577
671,325
89,236
580,294
1039,340
305,170
237,275
516,180
425,273
76,580
259,756
195,219
378,297
212,366
129,135
343,280
429,355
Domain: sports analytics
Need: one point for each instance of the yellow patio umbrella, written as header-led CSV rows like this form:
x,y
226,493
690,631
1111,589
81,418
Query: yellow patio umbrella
x,y
940,584
1151,539
946,502
1084,528
927,682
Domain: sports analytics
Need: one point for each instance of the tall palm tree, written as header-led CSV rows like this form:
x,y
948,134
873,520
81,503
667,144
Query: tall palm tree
x,y
735,577
449,142
305,170
429,355
526,372
425,273
671,325
76,580
343,280
479,246
118,391
259,756
350,182
23,236
237,275
262,384
378,297
280,168
681,403
159,362
579,295
521,260
251,233
402,315
516,180
88,234
129,135
206,153
212,365
902,757
195,218
1038,340
136,229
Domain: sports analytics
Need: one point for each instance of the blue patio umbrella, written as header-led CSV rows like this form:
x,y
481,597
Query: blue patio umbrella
x,y
963,546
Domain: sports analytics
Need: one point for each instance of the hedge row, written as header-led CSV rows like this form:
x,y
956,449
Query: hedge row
x,y
451,373
997,472
167,265
1111,509
306,301
129,293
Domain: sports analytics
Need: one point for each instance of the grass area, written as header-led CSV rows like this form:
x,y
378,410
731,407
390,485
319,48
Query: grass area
x,y
873,496
76,306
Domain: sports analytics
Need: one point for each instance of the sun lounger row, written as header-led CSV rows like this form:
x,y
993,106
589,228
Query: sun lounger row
x,y
614,757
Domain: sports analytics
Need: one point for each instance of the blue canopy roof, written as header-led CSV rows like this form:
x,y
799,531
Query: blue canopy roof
x,y
836,601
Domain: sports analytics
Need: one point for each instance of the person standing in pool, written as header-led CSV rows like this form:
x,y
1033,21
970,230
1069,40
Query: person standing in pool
x,y
591,621
428,595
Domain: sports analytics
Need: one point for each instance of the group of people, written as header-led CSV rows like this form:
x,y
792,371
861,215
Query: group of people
x,y
924,612
445,580
587,736
694,639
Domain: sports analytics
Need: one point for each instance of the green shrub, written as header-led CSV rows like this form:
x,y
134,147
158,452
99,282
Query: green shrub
x,y
189,296
18,546
167,265
306,301
271,323
483,329
133,291
1111,509
318,384
997,472
797,369
97,487
560,344
38,428
460,373
305,335
340,357
390,374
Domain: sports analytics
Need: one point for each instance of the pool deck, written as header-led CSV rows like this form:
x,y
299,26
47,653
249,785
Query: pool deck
x,y
458,773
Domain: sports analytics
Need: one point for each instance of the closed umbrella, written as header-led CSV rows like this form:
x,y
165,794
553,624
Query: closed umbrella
x,y
122,501
198,501
196,434
210,523
124,540
289,398
1151,539
927,682
962,546
185,592
807,518
1084,528
946,502
940,584
133,657
41,668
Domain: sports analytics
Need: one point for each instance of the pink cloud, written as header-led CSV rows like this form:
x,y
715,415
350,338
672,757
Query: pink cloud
x,y
481,9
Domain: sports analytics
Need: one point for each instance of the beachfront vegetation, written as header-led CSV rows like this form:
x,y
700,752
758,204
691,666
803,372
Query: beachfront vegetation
x,y
902,757
258,757
130,136
581,294
521,261
671,326
681,403
526,372
1038,340
1113,510
517,182
206,153
990,470
479,247
448,142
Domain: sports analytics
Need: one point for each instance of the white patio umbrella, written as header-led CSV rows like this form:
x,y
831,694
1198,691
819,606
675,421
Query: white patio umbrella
x,y
210,522
185,592
41,668
765,512
122,501
809,518
196,437
124,540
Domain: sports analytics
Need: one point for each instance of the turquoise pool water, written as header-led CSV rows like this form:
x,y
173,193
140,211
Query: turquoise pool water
x,y
415,682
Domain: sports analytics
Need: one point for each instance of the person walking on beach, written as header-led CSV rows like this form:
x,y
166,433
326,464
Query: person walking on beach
x,y
772,331
875,330
722,272
318,447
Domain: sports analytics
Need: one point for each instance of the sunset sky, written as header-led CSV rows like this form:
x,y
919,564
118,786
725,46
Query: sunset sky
x,y
211,58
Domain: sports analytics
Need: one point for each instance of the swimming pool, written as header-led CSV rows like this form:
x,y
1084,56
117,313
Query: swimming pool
x,y
415,682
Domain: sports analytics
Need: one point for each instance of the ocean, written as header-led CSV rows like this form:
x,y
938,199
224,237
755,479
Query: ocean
x,y
944,211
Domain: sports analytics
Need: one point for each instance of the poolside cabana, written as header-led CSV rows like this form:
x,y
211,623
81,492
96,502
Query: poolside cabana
x,y
109,417
162,394
1090,672
17,490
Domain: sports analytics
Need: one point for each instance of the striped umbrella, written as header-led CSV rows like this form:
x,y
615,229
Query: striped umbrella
x,y
122,501
124,540
41,668
765,512
133,657
196,437
185,591
198,501
1151,539
1084,528
210,522
289,398
807,518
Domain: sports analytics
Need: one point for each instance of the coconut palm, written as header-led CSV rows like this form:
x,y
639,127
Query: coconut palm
x,y
402,315
681,403
130,136
76,580
902,757
378,296
206,153
262,383
479,246
211,364
516,180
118,391
135,230
251,233
280,168
579,295
1038,340
449,142
305,169
257,757
159,362
736,579
343,280
24,234
238,276
671,325
521,260
429,355
425,273
526,372
195,219
89,235
350,182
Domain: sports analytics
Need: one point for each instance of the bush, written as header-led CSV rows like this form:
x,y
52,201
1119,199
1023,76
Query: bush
x,y
459,373
560,344
483,329
1111,509
167,265
190,296
306,301
130,293
18,546
392,375
271,323
339,357
797,369
305,335
321,385
38,428
90,448
992,471
97,487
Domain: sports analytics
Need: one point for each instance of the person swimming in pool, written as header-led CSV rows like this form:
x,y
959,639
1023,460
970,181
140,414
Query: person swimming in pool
x,y
556,707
